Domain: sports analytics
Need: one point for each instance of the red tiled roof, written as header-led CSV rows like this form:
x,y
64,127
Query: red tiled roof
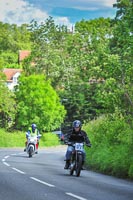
x,y
23,54
10,72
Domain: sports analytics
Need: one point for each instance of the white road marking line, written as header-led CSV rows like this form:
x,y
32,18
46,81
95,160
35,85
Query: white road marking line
x,y
3,160
75,196
5,163
18,170
35,179
6,157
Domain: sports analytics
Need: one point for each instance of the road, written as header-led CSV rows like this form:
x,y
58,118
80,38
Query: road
x,y
43,177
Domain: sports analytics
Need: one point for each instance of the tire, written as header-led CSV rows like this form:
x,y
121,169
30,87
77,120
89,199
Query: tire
x,y
72,167
30,152
79,165
30,155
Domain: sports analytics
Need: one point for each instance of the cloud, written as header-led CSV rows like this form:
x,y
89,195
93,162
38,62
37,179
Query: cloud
x,y
19,11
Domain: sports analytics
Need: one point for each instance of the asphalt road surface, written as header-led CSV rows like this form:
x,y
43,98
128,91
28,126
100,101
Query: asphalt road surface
x,y
43,177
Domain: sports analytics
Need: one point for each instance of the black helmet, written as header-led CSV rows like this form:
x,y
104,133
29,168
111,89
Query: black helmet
x,y
77,124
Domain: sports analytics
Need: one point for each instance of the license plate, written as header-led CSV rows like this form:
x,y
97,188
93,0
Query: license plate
x,y
79,146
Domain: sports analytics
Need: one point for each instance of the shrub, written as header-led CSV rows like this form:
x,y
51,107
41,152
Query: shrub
x,y
111,151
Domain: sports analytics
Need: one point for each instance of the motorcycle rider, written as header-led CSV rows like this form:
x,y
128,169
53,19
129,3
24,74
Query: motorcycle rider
x,y
32,131
75,135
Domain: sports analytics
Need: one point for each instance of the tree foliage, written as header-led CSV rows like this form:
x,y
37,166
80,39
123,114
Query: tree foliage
x,y
12,39
7,107
37,102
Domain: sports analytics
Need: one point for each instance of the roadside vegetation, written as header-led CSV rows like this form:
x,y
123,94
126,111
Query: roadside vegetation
x,y
86,74
112,150
17,139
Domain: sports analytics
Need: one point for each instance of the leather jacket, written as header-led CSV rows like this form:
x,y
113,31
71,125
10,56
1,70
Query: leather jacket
x,y
80,136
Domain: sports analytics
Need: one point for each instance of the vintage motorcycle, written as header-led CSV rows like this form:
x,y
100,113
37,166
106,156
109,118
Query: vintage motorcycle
x,y
32,145
76,158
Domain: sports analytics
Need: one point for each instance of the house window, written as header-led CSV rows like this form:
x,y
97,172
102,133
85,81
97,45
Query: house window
x,y
15,80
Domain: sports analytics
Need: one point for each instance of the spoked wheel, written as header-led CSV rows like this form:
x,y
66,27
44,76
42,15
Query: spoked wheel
x,y
79,165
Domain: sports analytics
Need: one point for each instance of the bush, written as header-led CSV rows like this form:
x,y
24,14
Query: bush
x,y
111,151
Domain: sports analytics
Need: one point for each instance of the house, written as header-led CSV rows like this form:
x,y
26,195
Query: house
x,y
12,74
12,77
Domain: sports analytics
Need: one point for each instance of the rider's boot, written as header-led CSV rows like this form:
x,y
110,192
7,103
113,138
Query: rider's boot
x,y
25,146
67,164
25,149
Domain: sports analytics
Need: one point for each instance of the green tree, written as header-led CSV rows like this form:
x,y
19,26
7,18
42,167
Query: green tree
x,y
122,46
37,102
49,52
7,106
13,39
89,53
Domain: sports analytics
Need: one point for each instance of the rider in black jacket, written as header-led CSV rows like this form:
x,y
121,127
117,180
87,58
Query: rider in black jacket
x,y
76,135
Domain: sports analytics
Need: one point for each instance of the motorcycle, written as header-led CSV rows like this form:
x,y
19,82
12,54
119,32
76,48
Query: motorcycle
x,y
76,158
32,145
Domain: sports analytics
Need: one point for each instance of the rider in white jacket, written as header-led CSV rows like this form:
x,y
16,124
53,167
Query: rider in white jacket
x,y
32,131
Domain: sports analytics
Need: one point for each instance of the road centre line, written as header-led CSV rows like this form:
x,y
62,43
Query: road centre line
x,y
6,157
21,172
5,163
75,196
35,179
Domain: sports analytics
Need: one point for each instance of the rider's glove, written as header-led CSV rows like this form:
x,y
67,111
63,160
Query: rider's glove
x,y
88,145
65,141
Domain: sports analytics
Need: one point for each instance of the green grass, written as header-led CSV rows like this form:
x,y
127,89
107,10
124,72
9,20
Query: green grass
x,y
49,139
17,139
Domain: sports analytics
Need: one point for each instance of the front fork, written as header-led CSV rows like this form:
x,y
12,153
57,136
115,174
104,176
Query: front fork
x,y
77,158
74,161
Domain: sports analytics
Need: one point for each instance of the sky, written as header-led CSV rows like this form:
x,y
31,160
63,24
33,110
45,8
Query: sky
x,y
64,12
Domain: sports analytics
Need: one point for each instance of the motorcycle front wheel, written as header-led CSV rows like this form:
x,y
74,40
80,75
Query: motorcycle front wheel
x,y
72,167
30,152
79,165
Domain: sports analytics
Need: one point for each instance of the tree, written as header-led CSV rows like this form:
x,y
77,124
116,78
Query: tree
x,y
49,52
7,106
37,102
13,39
121,45
90,61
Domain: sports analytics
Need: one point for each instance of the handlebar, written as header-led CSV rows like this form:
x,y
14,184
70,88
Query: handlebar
x,y
72,143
